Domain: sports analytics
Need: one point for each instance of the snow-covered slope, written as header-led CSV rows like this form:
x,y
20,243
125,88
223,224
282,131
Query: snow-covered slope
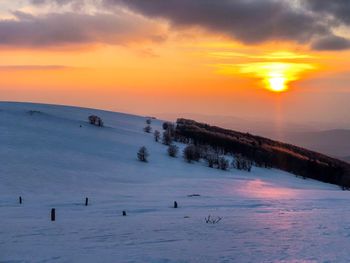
x,y
53,158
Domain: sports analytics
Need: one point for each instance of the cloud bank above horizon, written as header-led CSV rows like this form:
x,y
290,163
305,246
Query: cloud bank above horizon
x,y
316,24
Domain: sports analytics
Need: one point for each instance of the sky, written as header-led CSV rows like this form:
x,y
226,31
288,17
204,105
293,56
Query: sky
x,y
286,60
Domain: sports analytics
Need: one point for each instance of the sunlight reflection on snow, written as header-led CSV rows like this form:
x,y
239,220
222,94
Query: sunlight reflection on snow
x,y
260,189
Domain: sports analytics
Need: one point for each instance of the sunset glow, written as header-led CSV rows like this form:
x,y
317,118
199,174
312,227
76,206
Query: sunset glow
x,y
276,75
139,58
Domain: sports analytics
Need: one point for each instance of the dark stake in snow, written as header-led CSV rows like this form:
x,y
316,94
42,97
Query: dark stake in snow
x,y
124,213
175,204
20,199
86,201
53,214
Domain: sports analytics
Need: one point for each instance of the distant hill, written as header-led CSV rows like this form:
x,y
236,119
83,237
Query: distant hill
x,y
332,142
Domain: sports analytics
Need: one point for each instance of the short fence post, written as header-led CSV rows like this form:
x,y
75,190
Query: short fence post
x,y
124,213
86,201
53,214
20,199
175,204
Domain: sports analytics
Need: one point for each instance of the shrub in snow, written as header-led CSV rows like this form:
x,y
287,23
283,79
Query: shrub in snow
x,y
169,133
212,159
148,121
95,120
142,154
191,153
173,150
165,125
212,220
223,163
241,164
147,129
156,135
167,139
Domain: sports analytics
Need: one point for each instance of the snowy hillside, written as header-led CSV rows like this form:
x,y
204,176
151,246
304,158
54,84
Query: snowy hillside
x,y
53,158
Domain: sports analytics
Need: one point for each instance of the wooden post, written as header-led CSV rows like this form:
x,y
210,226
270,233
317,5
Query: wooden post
x,y
124,213
86,201
175,204
53,214
20,199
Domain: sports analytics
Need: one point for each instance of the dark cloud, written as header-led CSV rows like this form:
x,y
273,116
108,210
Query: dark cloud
x,y
58,29
331,43
249,21
337,9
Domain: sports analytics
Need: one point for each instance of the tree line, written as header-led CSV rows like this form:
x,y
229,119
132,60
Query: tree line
x,y
264,152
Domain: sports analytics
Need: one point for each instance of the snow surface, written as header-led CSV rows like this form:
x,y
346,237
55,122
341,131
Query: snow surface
x,y
52,162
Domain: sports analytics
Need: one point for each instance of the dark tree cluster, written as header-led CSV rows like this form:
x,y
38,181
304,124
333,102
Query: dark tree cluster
x,y
191,153
95,120
223,164
241,163
262,152
168,133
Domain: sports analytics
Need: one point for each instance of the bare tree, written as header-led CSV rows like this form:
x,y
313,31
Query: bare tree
x,y
142,154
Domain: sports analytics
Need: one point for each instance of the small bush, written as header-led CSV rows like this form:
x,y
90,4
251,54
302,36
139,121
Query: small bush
x,y
241,164
212,220
173,150
223,163
95,120
165,125
191,153
167,139
143,154
212,159
147,129
156,135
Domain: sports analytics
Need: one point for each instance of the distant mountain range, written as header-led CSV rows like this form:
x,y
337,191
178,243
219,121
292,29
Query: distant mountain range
x,y
332,142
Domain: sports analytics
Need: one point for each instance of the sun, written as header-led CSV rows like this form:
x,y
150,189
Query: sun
x,y
277,84
275,75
